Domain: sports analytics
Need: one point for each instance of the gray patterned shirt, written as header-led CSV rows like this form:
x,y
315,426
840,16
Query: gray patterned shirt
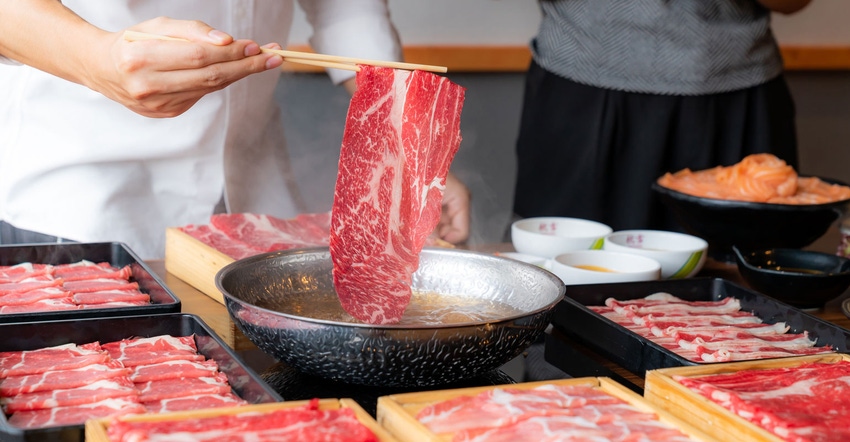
x,y
681,47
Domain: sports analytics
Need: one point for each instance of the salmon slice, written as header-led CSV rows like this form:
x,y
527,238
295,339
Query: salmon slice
x,y
761,178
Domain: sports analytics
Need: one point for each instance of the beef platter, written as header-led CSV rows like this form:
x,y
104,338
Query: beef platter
x,y
575,318
71,383
590,408
313,420
78,280
120,348
708,331
34,288
786,399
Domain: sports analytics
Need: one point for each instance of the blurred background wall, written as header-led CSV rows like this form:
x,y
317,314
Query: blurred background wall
x,y
816,45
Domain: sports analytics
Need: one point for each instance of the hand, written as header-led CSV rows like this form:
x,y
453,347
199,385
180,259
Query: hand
x,y
159,78
454,219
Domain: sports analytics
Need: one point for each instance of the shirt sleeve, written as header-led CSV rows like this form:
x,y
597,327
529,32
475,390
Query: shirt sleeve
x,y
352,28
9,61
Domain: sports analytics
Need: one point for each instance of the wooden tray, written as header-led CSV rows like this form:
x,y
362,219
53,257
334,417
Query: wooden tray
x,y
96,429
194,262
662,390
396,413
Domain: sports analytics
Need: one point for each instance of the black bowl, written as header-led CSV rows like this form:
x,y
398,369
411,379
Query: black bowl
x,y
804,279
749,225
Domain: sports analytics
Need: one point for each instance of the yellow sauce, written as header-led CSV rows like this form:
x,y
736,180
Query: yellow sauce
x,y
594,268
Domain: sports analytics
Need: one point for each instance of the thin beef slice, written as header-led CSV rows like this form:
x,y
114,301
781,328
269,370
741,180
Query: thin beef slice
x,y
401,134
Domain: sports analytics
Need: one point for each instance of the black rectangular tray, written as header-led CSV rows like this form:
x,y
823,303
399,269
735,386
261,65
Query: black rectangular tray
x,y
117,254
638,354
33,335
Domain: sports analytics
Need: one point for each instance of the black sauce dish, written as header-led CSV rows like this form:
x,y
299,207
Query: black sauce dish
x,y
801,278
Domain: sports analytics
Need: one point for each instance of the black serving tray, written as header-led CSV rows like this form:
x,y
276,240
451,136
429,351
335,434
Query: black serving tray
x,y
117,254
637,354
33,335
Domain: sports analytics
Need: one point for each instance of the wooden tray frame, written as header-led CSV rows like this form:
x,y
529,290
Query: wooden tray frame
x,y
194,262
96,429
711,418
396,413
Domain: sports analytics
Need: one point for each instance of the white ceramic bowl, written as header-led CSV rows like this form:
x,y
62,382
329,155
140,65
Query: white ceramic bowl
x,y
604,266
680,255
550,236
530,259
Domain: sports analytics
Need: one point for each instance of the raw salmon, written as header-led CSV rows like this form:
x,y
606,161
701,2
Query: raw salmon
x,y
761,178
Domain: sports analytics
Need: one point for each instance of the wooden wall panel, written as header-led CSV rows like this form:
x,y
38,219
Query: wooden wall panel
x,y
516,58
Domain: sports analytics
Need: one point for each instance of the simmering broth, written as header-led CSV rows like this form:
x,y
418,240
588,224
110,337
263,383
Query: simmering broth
x,y
425,308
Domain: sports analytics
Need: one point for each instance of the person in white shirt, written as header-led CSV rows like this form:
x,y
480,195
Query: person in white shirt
x,y
103,139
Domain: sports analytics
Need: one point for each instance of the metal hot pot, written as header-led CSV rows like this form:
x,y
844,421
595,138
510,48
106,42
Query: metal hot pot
x,y
285,303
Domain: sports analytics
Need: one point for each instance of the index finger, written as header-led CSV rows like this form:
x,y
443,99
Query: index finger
x,y
174,53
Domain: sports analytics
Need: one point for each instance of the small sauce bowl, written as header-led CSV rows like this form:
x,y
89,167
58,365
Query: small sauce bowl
x,y
603,266
550,236
681,255
802,278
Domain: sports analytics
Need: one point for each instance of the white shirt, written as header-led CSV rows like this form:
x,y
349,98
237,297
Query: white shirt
x,y
77,165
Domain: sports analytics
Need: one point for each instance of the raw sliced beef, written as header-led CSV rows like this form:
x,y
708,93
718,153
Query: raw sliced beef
x,y
269,233
158,390
114,304
500,406
31,283
309,229
62,379
545,413
320,220
31,296
60,357
99,285
219,240
84,269
305,423
173,369
196,402
401,134
87,394
101,297
29,287
75,415
144,351
707,331
43,305
18,272
240,235
563,427
67,384
807,402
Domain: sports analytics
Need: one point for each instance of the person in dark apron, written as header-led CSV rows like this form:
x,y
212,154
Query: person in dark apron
x,y
622,91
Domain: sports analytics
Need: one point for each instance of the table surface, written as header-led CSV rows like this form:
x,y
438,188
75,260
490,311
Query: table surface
x,y
215,314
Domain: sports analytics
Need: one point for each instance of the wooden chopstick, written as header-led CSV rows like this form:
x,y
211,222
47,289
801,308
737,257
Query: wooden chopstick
x,y
321,63
323,60
302,56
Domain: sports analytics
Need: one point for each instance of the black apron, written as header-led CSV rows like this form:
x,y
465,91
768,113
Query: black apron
x,y
593,153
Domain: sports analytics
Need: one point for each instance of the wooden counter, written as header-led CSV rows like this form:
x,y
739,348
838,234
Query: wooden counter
x,y
213,313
